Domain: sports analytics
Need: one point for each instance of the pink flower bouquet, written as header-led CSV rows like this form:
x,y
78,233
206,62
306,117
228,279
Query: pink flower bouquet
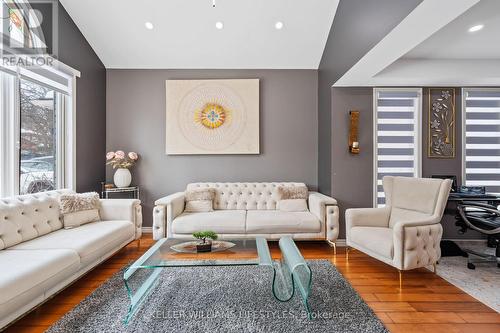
x,y
118,159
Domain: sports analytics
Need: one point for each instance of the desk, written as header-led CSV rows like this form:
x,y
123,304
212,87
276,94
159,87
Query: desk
x,y
450,248
492,199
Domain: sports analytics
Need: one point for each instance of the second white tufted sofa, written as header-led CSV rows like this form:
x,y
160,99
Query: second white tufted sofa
x,y
247,210
406,233
38,257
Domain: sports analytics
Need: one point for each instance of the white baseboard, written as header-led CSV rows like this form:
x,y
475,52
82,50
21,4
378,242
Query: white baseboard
x,y
340,243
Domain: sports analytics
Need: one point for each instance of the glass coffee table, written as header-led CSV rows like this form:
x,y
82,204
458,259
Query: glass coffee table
x,y
289,275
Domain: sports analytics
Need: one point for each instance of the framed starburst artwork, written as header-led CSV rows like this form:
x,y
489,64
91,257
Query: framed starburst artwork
x,y
212,117
441,123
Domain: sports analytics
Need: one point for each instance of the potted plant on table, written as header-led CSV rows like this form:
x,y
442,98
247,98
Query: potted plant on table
x,y
205,240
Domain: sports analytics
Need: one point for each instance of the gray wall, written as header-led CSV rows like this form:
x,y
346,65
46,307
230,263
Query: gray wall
x,y
75,51
288,131
358,26
352,175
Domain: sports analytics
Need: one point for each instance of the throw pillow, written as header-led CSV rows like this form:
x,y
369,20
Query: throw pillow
x,y
79,208
199,200
292,205
292,192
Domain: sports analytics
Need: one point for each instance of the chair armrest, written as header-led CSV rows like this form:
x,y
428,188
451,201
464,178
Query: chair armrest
x,y
325,208
366,217
317,203
123,209
165,211
417,242
400,225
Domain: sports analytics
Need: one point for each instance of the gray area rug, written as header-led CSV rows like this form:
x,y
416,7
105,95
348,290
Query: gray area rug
x,y
481,283
238,299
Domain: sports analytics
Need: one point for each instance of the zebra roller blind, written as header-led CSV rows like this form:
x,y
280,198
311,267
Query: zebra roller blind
x,y
397,136
482,138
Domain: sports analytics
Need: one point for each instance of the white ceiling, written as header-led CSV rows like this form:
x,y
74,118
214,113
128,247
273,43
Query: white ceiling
x,y
184,34
432,47
455,42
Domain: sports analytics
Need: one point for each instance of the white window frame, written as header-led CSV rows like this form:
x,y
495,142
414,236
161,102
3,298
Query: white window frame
x,y
66,125
417,129
464,128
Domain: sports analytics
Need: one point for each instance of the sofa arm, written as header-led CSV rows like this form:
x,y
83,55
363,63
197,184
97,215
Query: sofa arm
x,y
325,208
165,211
123,209
417,243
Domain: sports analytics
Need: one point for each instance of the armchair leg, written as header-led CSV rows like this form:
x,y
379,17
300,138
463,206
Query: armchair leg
x,y
435,267
139,243
332,244
400,279
347,249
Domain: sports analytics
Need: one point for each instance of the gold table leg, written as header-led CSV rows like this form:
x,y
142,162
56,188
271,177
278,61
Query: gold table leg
x,y
400,279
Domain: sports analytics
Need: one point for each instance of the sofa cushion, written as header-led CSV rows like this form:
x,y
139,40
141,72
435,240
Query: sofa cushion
x,y
275,221
25,270
90,241
376,239
418,194
79,208
293,192
292,205
400,214
219,221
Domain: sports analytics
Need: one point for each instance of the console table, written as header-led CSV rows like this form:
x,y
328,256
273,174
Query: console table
x,y
132,191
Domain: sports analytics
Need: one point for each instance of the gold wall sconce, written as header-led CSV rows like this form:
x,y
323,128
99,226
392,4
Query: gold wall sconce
x,y
353,132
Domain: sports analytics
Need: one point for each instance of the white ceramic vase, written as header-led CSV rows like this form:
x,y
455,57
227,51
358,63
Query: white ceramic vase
x,y
122,177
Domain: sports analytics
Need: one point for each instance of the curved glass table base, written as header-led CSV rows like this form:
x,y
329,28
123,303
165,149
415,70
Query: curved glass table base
x,y
291,273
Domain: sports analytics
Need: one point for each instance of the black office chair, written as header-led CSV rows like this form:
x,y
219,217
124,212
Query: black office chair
x,y
485,219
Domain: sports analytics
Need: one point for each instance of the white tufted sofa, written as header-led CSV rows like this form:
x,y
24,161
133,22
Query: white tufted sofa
x,y
38,257
247,210
406,233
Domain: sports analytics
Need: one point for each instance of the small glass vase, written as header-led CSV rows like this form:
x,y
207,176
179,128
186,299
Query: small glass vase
x,y
122,177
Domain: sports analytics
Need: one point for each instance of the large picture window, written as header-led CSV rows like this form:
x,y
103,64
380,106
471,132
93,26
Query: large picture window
x,y
38,153
482,138
36,130
397,136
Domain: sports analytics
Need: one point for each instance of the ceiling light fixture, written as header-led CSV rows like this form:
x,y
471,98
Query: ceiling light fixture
x,y
219,25
278,25
476,28
149,25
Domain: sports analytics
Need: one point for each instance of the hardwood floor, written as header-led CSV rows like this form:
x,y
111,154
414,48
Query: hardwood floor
x,y
426,303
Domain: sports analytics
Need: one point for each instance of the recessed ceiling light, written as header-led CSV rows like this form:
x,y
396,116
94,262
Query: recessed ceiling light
x,y
219,25
278,25
476,28
149,25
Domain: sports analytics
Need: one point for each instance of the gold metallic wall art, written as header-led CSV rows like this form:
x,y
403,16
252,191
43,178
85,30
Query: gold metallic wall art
x,y
441,123
353,132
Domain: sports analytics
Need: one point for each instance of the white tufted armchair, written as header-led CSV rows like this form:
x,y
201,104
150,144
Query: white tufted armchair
x,y
406,232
